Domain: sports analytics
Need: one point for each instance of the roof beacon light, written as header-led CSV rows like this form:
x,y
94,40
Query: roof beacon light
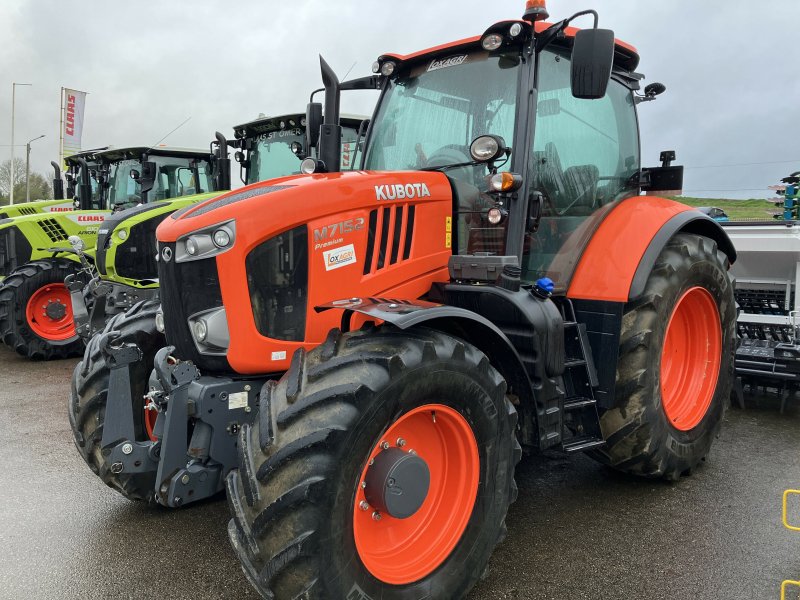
x,y
535,10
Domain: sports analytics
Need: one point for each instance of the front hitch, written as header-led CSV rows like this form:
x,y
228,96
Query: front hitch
x,y
118,445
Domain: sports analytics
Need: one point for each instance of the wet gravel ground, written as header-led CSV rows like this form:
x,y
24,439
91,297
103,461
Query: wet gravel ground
x,y
578,530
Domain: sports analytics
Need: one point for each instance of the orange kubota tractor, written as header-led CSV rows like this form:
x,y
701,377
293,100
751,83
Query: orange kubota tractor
x,y
372,347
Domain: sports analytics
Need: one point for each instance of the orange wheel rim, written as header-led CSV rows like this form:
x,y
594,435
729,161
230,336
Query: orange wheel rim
x,y
49,313
401,551
691,359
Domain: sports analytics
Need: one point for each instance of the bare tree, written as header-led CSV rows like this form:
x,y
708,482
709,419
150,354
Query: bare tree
x,y
5,176
41,187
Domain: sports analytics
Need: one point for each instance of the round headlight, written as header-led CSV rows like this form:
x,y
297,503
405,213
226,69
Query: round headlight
x,y
495,215
222,238
484,148
376,67
191,246
492,41
122,234
387,68
308,166
515,30
160,322
200,330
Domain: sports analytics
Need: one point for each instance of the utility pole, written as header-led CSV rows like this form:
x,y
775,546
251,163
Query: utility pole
x,y
13,103
28,168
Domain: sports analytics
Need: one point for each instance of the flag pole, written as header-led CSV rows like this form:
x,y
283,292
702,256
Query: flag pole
x,y
61,128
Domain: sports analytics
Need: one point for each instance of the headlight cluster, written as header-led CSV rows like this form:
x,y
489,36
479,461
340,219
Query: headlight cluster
x,y
205,243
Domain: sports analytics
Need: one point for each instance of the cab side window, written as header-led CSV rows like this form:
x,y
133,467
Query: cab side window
x,y
585,156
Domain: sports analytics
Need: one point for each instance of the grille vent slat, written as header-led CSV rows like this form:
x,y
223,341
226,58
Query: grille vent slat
x,y
54,230
396,231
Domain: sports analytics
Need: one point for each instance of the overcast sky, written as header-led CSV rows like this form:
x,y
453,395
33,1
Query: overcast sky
x,y
730,69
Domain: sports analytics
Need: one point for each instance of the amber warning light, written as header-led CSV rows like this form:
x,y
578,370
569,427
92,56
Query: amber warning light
x,y
535,10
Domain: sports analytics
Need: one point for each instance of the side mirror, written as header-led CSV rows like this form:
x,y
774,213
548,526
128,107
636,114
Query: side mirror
x,y
148,176
592,60
313,124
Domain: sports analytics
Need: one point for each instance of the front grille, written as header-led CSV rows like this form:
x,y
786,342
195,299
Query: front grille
x,y
136,256
144,252
389,241
277,276
186,289
54,230
14,250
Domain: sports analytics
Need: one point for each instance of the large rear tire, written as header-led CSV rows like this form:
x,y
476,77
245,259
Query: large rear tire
x,y
36,310
302,526
90,387
676,364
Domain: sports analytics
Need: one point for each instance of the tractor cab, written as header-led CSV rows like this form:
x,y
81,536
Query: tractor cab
x,y
568,154
270,147
137,175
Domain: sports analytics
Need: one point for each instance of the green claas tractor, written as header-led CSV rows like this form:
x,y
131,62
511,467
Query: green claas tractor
x,y
124,271
359,357
36,255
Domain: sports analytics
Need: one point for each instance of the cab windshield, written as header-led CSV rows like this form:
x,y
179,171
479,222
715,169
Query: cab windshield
x,y
429,116
175,177
272,154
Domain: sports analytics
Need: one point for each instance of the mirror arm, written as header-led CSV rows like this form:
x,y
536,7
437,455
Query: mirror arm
x,y
552,32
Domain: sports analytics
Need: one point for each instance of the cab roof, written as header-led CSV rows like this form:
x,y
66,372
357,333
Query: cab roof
x,y
112,153
625,56
287,121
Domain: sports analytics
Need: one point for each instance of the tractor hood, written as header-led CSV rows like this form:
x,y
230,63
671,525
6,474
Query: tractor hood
x,y
269,207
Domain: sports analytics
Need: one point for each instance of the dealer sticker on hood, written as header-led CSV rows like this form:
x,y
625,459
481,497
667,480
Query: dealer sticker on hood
x,y
339,257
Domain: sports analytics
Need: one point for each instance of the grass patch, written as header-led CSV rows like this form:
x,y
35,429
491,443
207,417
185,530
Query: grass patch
x,y
754,208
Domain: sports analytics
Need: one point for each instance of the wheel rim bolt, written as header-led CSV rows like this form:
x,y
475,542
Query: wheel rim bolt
x,y
376,516
363,485
363,505
385,445
412,451
400,442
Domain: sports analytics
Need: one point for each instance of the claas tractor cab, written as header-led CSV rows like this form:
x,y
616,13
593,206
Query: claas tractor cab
x,y
372,348
126,271
36,314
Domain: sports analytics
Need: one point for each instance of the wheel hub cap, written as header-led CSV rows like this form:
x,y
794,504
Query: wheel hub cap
x,y
397,483
56,310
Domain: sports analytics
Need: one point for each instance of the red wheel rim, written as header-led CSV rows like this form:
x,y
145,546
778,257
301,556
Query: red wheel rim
x,y
400,551
150,416
49,313
691,359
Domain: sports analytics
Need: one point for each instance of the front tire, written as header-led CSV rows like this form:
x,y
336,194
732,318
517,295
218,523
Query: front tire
x,y
90,387
676,364
302,526
36,310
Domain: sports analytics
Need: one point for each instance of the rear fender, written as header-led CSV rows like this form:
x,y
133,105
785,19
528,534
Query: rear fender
x,y
621,253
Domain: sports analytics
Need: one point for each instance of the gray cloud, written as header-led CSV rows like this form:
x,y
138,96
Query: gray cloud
x,y
148,65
